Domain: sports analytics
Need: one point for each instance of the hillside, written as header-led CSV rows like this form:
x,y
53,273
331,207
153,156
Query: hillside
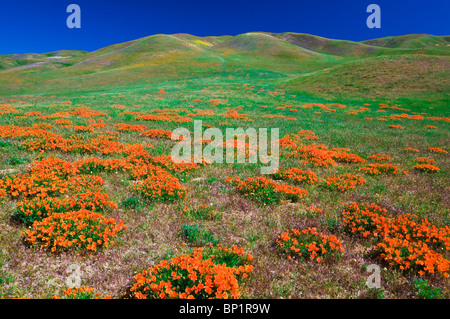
x,y
391,77
279,56
411,41
8,61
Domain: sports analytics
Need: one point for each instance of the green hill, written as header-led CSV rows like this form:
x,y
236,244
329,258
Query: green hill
x,y
8,61
411,41
421,77
393,66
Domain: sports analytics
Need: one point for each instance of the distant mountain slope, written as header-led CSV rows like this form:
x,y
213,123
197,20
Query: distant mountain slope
x,y
8,61
369,48
411,41
265,51
280,56
389,77
329,46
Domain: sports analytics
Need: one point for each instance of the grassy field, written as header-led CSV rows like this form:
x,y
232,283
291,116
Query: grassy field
x,y
336,103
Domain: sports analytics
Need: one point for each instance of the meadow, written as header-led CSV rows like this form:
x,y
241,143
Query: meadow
x,y
86,177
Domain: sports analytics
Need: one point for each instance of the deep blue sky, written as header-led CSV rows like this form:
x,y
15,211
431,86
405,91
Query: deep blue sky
x,y
40,25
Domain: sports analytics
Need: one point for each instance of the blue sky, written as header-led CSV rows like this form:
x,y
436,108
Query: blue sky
x,y
40,26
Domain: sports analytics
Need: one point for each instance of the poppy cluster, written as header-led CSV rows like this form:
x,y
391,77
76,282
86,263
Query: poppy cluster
x,y
81,229
233,114
411,150
62,223
198,275
380,157
296,175
81,293
437,150
425,160
308,243
315,154
402,241
123,127
378,169
157,134
163,117
267,191
345,181
161,185
428,168
342,155
166,162
104,144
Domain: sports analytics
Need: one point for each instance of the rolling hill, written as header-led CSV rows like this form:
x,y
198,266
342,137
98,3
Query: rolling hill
x,y
411,41
390,77
391,66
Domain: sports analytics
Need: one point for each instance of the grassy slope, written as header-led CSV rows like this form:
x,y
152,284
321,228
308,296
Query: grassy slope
x,y
280,56
413,77
410,41
8,61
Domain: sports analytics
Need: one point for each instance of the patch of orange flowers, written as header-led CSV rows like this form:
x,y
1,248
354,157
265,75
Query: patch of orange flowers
x,y
157,134
81,229
427,168
267,191
73,221
380,157
409,149
403,241
378,169
123,127
342,155
308,243
166,162
345,181
81,293
318,155
296,175
161,185
425,160
198,275
437,150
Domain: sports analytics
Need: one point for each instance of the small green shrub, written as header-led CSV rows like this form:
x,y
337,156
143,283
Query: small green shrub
x,y
197,235
17,161
5,143
425,290
131,203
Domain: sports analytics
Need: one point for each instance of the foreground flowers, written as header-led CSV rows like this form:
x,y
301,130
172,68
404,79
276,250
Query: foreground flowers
x,y
401,241
81,293
212,273
82,229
